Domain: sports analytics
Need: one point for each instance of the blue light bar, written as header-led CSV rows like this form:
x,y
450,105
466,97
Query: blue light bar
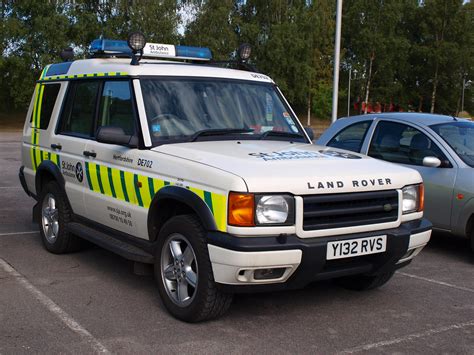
x,y
109,46
152,50
202,53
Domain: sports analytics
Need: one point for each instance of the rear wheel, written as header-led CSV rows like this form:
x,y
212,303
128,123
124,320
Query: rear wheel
x,y
184,272
55,215
364,282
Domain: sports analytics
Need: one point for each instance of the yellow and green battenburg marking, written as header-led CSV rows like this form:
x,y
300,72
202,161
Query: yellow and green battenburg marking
x,y
38,155
140,190
82,76
123,185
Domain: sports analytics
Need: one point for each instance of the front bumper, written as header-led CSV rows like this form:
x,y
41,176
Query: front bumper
x,y
233,258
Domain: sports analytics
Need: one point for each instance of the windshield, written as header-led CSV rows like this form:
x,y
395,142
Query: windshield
x,y
183,109
460,136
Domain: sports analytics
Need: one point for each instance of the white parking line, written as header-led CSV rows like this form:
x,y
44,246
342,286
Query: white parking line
x,y
436,282
408,337
18,233
55,309
10,187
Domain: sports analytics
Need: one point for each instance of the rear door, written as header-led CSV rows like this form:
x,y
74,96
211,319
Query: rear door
x,y
36,146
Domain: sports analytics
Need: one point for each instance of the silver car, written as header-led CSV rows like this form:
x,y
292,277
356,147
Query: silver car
x,y
441,148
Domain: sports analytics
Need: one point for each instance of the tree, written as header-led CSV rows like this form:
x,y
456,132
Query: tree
x,y
36,32
376,44
213,27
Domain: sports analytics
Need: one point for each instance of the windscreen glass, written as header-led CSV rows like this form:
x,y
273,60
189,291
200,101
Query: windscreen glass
x,y
179,109
460,136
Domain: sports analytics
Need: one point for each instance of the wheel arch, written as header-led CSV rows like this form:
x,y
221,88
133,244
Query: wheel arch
x,y
465,220
46,172
174,200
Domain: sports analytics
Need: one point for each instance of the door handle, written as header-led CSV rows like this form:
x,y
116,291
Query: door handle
x,y
89,154
56,146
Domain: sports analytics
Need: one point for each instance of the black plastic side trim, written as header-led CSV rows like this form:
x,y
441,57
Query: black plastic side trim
x,y
143,244
109,242
184,196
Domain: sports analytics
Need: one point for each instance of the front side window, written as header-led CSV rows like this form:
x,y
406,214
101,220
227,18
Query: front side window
x,y
351,137
116,107
460,136
78,117
178,109
400,143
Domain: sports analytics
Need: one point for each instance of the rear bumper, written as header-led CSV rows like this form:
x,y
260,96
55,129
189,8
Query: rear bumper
x,y
304,260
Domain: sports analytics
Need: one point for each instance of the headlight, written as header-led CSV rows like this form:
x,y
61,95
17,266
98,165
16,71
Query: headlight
x,y
249,210
274,209
412,198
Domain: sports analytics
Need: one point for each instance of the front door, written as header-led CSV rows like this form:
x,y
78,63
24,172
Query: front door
x,y
404,144
111,195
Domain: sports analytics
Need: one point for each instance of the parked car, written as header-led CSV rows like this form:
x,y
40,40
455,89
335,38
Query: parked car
x,y
440,147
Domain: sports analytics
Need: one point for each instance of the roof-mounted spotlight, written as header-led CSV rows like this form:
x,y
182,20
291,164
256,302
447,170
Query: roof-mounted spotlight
x,y
136,41
67,54
244,52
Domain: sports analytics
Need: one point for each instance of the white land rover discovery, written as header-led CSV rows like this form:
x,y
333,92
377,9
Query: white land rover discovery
x,y
203,170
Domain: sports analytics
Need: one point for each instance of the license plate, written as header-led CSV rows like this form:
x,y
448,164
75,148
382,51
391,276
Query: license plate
x,y
356,247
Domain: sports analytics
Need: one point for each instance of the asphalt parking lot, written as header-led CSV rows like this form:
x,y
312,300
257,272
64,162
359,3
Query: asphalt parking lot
x,y
91,302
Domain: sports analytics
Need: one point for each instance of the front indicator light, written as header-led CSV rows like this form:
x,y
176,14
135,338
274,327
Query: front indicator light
x,y
241,209
421,205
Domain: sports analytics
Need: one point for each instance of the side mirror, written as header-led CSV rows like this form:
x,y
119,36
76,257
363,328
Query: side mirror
x,y
431,162
309,132
114,135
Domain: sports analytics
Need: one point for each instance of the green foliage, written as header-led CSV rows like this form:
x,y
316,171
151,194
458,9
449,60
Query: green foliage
x,y
322,99
213,28
409,52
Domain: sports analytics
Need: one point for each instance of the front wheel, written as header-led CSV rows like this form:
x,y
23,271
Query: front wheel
x,y
365,282
184,272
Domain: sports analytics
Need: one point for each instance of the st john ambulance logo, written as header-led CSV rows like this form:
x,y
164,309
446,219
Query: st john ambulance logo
x,y
79,172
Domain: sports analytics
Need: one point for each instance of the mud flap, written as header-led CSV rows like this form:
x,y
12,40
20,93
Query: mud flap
x,y
37,213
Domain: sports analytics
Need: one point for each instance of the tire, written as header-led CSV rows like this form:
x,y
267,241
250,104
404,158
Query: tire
x,y
183,272
472,240
364,282
55,215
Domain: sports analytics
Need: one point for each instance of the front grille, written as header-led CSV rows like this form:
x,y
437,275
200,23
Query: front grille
x,y
349,209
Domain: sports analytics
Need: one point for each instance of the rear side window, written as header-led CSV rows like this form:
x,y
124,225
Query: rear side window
x,y
351,137
44,106
116,107
79,114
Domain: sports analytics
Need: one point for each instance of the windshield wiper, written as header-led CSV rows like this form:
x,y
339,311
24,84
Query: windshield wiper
x,y
218,132
280,134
